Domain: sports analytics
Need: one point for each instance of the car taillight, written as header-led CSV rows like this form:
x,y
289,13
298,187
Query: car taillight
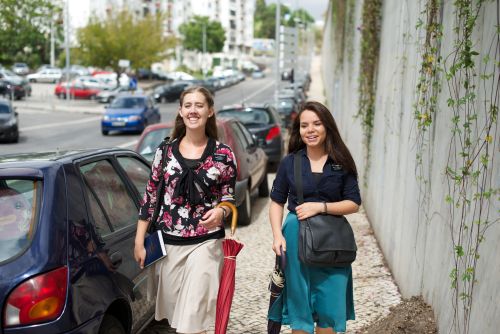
x,y
39,299
273,133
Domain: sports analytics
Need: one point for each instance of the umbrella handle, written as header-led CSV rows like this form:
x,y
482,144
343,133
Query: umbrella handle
x,y
234,220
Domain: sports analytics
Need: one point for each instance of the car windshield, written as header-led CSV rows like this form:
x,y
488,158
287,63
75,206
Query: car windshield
x,y
19,200
285,105
4,109
8,73
128,102
247,116
151,141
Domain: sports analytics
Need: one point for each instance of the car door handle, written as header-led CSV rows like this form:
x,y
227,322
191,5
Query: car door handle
x,y
116,259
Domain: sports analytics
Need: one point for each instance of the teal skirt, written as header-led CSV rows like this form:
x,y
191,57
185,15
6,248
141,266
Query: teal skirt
x,y
312,295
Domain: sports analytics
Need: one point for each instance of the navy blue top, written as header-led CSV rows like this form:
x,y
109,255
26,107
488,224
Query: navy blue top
x,y
335,185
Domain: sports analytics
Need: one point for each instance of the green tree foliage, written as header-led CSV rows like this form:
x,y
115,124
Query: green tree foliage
x,y
300,16
193,34
25,30
122,36
265,18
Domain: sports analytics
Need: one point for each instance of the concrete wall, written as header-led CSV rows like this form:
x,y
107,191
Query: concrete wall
x,y
419,251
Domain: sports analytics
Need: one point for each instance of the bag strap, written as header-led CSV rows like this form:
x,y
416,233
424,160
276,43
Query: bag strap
x,y
297,174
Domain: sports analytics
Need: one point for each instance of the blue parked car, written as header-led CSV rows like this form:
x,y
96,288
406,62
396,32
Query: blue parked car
x,y
130,113
67,230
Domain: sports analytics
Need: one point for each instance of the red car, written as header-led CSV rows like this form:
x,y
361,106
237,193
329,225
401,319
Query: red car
x,y
76,91
251,160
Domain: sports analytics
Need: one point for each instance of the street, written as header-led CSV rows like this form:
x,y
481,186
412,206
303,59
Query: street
x,y
48,123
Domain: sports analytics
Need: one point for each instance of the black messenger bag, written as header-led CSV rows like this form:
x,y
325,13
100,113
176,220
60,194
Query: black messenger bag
x,y
324,240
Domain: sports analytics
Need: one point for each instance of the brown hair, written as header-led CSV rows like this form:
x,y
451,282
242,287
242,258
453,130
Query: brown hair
x,y
179,130
334,145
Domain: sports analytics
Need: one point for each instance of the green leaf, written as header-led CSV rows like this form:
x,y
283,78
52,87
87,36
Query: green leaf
x,y
459,251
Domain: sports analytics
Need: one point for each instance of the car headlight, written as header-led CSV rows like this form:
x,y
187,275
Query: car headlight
x,y
134,118
106,118
11,121
157,96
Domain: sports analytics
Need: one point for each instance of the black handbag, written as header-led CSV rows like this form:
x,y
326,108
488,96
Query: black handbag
x,y
324,240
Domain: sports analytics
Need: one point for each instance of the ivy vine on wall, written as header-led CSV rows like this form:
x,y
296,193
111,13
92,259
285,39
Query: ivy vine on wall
x,y
370,45
472,96
427,94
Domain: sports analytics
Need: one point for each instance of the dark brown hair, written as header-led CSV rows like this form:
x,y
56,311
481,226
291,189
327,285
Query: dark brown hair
x,y
334,145
179,130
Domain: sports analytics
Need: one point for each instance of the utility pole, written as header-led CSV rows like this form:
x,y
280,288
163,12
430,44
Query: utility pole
x,y
203,63
277,51
66,45
52,43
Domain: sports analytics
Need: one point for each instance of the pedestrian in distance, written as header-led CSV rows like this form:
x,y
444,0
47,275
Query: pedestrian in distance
x,y
199,172
132,84
320,297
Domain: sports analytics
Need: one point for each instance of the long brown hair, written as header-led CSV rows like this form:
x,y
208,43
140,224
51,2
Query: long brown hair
x,y
179,130
334,145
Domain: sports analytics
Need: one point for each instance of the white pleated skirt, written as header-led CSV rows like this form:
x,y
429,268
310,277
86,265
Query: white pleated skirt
x,y
187,283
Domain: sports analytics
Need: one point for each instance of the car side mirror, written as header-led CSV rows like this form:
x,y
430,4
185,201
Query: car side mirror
x,y
16,113
255,139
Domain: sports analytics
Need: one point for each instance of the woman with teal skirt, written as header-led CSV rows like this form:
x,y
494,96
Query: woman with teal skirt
x,y
320,297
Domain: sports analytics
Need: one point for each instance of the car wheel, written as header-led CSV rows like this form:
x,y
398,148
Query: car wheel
x,y
104,132
32,80
111,325
15,138
264,187
245,210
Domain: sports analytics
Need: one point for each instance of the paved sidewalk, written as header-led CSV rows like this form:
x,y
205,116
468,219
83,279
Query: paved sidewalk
x,y
374,289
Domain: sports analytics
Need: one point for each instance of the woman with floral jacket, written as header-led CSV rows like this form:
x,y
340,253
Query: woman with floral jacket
x,y
198,173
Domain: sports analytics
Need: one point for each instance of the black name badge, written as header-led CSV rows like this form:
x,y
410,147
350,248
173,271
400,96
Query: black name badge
x,y
336,167
219,157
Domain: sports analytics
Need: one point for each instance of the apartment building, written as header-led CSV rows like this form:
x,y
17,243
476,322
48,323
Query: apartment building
x,y
236,16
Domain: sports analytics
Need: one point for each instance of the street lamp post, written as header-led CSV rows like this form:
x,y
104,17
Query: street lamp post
x,y
277,51
52,42
203,63
66,44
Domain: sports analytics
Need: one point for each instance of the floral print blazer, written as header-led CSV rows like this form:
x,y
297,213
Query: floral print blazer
x,y
178,217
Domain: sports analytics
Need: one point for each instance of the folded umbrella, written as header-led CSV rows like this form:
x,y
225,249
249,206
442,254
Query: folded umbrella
x,y
231,248
276,285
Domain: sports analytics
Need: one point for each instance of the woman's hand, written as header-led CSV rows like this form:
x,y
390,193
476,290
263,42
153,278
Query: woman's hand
x,y
212,218
308,209
140,254
279,243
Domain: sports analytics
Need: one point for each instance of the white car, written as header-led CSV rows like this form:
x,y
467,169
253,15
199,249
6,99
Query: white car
x,y
109,78
46,75
177,76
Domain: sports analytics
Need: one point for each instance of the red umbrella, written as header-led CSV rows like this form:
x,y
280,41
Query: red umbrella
x,y
231,248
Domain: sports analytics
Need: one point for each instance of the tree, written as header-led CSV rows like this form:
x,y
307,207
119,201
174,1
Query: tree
x,y
300,15
193,34
104,42
265,18
25,30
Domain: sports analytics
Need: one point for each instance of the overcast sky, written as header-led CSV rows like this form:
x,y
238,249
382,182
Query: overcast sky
x,y
316,8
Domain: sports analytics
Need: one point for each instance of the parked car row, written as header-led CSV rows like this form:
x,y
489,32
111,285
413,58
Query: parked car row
x,y
13,86
90,87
